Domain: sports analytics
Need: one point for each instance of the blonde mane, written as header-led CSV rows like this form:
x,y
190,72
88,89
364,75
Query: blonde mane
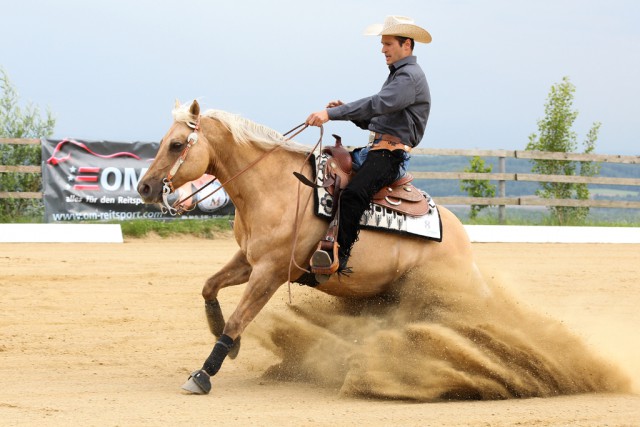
x,y
244,131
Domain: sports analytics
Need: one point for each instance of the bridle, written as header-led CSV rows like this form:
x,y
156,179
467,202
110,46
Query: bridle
x,y
167,184
192,139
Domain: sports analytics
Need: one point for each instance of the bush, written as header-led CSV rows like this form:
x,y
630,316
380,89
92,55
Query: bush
x,y
16,122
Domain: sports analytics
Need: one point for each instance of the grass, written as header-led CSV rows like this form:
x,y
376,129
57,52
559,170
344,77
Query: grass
x,y
212,228
206,228
215,227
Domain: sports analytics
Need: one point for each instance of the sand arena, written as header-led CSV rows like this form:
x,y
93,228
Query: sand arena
x,y
104,334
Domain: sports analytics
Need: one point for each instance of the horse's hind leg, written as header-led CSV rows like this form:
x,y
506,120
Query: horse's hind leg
x,y
235,272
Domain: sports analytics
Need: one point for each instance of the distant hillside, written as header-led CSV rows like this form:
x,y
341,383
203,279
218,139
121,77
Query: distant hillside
x,y
442,188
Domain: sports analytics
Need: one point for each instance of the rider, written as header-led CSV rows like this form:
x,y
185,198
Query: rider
x,y
396,118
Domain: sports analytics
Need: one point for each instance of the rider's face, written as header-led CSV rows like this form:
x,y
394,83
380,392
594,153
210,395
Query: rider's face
x,y
392,49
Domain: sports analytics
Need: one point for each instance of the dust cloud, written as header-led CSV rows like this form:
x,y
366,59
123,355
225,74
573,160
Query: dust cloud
x,y
431,339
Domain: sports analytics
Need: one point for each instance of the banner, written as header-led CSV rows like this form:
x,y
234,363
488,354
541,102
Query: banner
x,y
98,180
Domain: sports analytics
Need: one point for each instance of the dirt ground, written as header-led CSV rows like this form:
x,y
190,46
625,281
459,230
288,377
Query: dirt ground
x,y
105,334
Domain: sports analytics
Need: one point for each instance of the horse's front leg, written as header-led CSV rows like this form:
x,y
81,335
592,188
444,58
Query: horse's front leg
x,y
260,288
235,272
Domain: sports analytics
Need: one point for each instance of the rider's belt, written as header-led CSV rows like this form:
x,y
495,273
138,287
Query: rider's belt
x,y
379,141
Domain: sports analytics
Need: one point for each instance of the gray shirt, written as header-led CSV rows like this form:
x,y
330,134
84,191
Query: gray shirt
x,y
401,108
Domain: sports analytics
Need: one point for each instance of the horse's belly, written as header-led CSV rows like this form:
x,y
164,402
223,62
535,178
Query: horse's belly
x,y
354,287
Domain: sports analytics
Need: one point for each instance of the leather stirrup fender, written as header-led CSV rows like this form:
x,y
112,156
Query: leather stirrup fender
x,y
328,245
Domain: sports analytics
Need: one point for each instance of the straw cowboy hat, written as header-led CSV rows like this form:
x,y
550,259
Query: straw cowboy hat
x,y
395,25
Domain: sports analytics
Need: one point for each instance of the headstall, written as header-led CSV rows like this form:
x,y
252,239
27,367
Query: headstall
x,y
167,184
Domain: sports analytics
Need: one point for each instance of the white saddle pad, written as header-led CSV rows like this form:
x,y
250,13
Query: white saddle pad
x,y
378,217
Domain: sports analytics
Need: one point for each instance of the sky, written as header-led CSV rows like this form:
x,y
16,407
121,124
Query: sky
x,y
112,70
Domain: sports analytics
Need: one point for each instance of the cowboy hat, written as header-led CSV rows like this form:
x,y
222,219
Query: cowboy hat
x,y
395,25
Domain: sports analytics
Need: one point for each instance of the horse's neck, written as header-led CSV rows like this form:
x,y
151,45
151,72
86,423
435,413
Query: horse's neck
x,y
251,174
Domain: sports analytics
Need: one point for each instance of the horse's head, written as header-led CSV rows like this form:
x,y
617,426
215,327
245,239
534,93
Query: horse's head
x,y
182,157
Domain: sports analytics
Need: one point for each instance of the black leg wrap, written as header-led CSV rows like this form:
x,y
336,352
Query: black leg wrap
x,y
214,317
220,350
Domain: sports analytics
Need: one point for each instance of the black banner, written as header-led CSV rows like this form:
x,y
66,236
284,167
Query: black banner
x,y
97,181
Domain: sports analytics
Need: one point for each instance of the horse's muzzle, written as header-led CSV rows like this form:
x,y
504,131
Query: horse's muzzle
x,y
150,190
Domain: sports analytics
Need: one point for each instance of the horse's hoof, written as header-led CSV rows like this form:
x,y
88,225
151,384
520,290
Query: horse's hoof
x,y
233,353
198,383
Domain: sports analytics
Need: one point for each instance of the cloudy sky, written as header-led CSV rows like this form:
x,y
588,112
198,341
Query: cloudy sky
x,y
111,70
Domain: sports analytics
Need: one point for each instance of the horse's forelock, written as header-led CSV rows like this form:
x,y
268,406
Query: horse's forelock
x,y
182,113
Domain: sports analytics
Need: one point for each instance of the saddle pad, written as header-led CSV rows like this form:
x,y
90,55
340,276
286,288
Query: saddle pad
x,y
377,217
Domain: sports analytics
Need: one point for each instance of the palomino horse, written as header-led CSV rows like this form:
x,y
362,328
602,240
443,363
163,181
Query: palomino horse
x,y
255,166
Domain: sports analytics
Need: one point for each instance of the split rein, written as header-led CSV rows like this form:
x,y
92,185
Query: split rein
x,y
192,139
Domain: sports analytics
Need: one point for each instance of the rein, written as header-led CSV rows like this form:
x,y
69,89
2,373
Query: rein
x,y
192,139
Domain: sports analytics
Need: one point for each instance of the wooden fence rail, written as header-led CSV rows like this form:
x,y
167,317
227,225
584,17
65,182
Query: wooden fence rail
x,y
19,169
538,155
526,177
501,177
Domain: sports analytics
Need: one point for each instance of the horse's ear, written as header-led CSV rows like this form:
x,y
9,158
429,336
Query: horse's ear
x,y
195,108
177,104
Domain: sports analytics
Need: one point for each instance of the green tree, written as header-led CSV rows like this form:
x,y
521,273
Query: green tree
x,y
555,134
16,122
478,187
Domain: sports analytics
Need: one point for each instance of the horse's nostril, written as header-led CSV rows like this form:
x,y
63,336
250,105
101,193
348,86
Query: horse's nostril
x,y
144,190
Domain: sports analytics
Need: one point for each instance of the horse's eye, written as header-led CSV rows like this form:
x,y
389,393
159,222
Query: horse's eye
x,y
175,146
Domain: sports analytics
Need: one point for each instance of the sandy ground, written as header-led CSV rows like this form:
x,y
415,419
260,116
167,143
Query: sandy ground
x,y
105,334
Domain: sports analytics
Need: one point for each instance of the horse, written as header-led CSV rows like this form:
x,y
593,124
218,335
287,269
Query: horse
x,y
276,230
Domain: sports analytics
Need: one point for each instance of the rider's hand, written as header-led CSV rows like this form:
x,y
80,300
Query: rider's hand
x,y
318,119
336,103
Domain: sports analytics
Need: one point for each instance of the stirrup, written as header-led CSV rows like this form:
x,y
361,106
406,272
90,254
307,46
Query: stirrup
x,y
322,263
322,266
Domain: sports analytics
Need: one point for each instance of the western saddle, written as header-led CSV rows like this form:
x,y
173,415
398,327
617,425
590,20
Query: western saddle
x,y
401,196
